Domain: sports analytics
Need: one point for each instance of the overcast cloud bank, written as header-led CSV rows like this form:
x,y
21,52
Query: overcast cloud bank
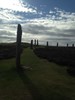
x,y
55,26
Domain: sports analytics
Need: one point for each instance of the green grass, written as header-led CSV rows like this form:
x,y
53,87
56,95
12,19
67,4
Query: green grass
x,y
45,81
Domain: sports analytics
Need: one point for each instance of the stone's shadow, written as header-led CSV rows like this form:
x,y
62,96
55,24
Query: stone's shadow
x,y
31,87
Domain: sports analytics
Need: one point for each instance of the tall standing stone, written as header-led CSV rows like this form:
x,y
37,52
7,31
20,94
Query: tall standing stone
x,y
18,46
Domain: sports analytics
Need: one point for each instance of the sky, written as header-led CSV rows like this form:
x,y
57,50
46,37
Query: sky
x,y
45,20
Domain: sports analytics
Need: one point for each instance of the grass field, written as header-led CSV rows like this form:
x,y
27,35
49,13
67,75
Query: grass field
x,y
42,81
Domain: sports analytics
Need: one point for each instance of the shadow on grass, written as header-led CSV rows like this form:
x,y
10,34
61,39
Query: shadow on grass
x,y
31,87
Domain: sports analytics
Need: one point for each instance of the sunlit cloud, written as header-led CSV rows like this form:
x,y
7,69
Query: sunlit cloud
x,y
9,17
15,5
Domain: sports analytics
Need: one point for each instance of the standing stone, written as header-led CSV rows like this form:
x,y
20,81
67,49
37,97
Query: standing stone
x,y
47,43
31,44
37,43
67,44
72,45
57,44
18,46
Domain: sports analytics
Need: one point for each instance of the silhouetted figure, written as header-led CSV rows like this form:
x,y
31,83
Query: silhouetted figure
x,y
18,46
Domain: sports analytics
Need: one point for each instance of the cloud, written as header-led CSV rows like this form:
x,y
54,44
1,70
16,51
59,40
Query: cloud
x,y
9,16
16,5
56,26
60,28
7,36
